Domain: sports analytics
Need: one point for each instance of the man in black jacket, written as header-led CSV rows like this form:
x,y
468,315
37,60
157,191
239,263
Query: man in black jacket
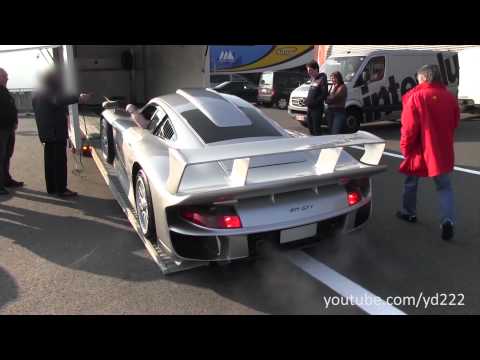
x,y
50,105
8,125
316,98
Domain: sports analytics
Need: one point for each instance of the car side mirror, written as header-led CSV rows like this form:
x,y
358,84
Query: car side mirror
x,y
365,76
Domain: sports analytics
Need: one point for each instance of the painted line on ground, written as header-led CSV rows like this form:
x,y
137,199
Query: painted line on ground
x,y
398,156
342,285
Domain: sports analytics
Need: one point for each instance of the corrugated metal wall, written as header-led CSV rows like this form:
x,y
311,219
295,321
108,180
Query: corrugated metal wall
x,y
338,49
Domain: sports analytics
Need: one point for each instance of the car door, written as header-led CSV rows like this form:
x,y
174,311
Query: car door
x,y
374,89
122,148
250,92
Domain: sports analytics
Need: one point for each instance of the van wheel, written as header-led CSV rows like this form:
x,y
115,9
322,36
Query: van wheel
x,y
106,134
282,103
354,118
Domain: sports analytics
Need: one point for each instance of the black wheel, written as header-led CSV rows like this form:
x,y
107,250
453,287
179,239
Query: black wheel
x,y
282,103
353,121
106,134
144,206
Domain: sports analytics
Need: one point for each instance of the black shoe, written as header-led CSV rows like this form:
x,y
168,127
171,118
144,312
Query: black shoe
x,y
447,231
14,184
67,193
408,218
4,192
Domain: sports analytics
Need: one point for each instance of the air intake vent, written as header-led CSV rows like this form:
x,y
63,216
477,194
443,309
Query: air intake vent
x,y
167,131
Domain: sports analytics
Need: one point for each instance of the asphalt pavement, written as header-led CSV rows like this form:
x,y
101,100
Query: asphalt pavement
x,y
82,256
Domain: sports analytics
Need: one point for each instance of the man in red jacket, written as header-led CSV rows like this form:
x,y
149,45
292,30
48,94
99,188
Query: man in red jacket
x,y
429,119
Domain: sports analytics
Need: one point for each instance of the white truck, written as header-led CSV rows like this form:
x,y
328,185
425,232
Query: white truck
x,y
468,91
376,81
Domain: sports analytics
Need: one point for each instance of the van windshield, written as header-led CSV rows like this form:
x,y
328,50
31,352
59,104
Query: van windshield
x,y
348,66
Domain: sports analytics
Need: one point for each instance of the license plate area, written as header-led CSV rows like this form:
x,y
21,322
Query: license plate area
x,y
298,233
300,117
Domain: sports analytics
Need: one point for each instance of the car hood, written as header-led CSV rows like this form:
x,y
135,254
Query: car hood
x,y
301,91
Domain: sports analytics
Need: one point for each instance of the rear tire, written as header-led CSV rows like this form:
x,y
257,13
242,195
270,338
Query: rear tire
x,y
353,121
282,103
106,134
144,206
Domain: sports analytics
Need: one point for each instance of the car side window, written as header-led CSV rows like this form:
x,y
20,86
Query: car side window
x,y
376,68
156,119
236,86
165,130
148,112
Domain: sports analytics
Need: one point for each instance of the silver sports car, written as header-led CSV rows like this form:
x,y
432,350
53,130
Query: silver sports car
x,y
209,175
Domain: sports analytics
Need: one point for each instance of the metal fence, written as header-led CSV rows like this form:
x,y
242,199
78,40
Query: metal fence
x,y
23,99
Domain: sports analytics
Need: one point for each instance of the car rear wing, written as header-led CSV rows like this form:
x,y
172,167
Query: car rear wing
x,y
330,148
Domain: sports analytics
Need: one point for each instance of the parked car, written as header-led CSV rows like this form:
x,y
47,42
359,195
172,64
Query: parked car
x,y
243,89
275,87
210,173
217,79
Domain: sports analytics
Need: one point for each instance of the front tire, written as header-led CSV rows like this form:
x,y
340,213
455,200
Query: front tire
x,y
106,134
353,120
144,206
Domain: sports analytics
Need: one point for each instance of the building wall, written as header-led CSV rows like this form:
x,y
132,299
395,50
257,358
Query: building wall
x,y
170,67
157,70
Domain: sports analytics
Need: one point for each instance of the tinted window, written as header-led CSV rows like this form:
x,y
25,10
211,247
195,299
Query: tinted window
x,y
149,111
210,133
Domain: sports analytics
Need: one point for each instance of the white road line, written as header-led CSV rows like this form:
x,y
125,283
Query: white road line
x,y
456,168
341,285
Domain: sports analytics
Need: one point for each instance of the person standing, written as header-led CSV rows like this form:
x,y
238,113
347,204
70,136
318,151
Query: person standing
x,y
8,126
315,101
336,100
50,105
429,119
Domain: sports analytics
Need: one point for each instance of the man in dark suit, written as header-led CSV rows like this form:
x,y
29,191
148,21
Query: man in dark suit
x,y
8,125
50,105
316,98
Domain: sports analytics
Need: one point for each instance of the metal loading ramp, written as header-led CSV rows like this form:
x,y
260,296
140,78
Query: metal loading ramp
x,y
167,262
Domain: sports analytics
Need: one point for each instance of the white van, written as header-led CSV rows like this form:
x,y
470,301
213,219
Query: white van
x,y
468,91
376,80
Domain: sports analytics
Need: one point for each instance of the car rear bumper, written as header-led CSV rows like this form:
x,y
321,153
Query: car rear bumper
x,y
195,247
264,98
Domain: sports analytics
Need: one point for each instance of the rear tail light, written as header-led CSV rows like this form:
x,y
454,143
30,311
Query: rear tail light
x,y
356,189
216,218
273,92
353,198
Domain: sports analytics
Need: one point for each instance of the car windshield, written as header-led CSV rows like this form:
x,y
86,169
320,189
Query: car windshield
x,y
348,66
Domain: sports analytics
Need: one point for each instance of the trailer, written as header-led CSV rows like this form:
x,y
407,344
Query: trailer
x,y
131,74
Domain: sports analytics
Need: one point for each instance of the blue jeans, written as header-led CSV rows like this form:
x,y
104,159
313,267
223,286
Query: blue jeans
x,y
445,192
336,121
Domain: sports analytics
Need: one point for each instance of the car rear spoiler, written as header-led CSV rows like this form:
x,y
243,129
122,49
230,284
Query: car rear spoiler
x,y
330,148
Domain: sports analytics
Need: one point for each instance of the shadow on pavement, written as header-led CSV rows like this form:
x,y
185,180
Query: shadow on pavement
x,y
95,246
8,288
110,249
90,206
